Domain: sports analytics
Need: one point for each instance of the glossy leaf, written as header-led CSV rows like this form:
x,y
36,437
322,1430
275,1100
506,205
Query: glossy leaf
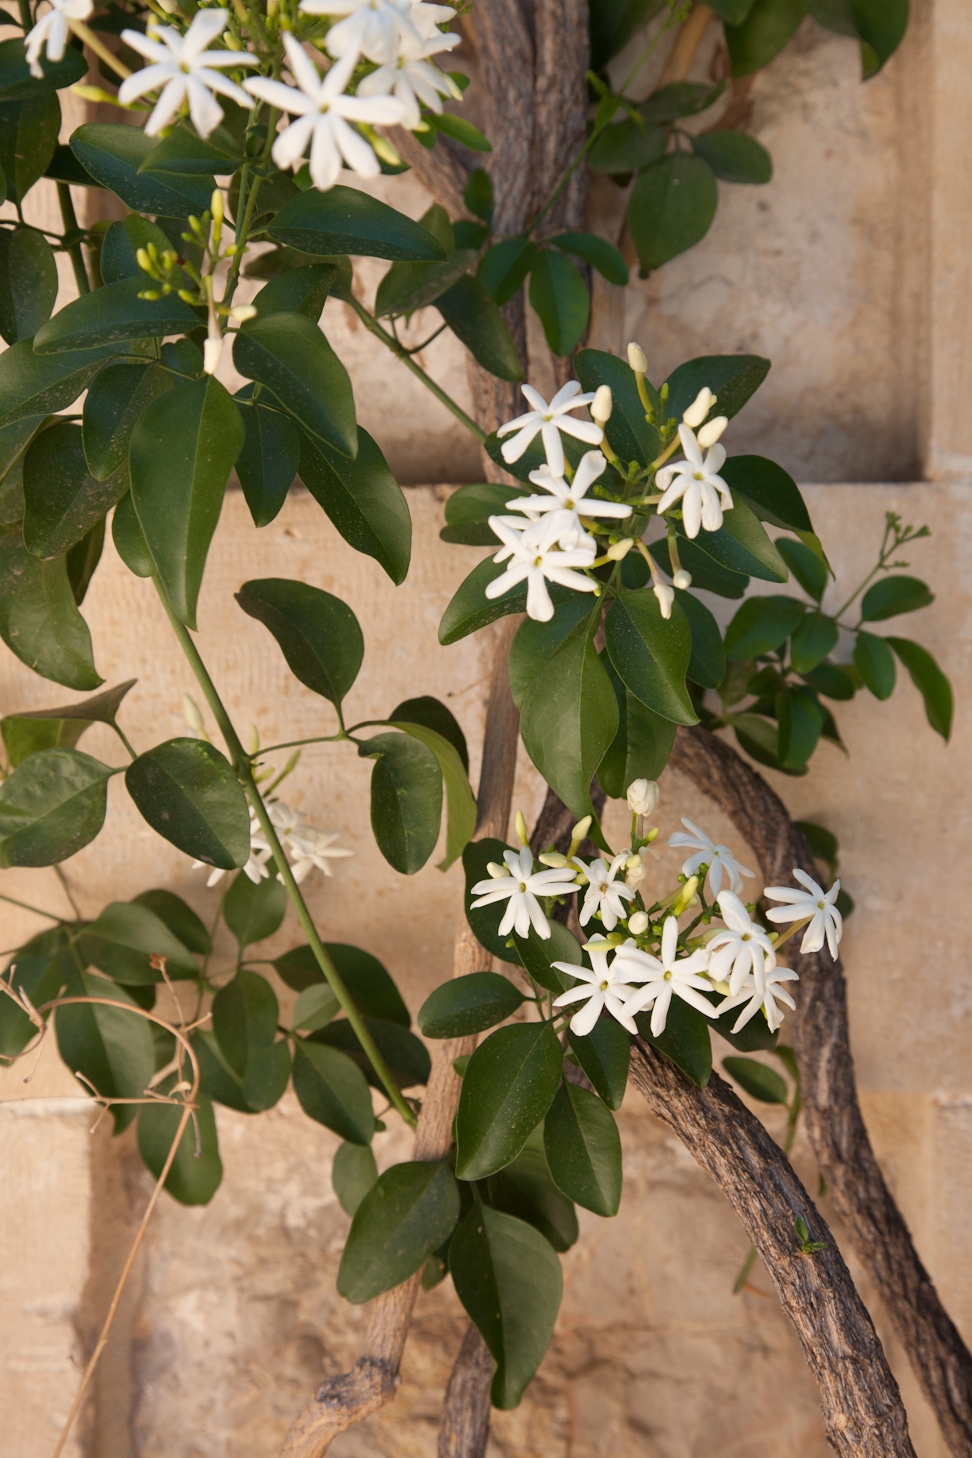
x,y
468,1005
761,625
473,315
478,194
39,618
743,546
685,1041
408,1213
123,940
333,1091
129,539
559,295
890,596
267,463
672,206
51,806
503,267
187,791
407,1056
801,722
363,500
460,129
111,1046
629,433
642,745
627,146
509,1084
583,1149
315,1007
874,661
526,1190
651,654
763,34
245,1016
596,251
805,565
116,398
28,138
62,500
181,920
814,638
470,608
182,451
707,665
834,680
16,80
318,634
197,1169
539,954
113,153
433,715
82,560
535,643
930,682
758,1079
289,355
253,911
346,220
406,799
60,728
117,259
407,287
28,279
41,969
375,994
301,290
352,1174
460,804
604,1054
614,22
881,25
678,99
734,156
734,378
183,151
114,314
31,384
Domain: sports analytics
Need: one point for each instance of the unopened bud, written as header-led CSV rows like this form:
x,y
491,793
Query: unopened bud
x,y
619,550
553,859
216,206
496,870
682,579
635,873
192,715
711,431
638,923
688,892
143,260
699,408
637,360
665,597
643,797
580,829
521,828
601,404
241,312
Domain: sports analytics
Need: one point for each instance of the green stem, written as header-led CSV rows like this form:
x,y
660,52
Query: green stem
x,y
124,739
26,19
26,906
69,218
297,743
241,764
400,352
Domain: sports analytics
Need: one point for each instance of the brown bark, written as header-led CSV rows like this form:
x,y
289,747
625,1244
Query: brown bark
x,y
860,1399
875,1226
465,1413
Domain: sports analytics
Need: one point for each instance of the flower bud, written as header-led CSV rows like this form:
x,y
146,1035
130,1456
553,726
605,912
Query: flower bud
x,y
619,550
699,408
682,579
635,873
212,353
711,431
192,715
521,828
143,260
688,892
553,859
643,797
638,923
580,829
637,360
241,312
216,206
601,404
665,597
496,870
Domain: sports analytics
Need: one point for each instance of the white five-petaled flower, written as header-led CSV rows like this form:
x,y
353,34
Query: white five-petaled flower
x,y
536,560
718,858
643,797
307,847
768,998
703,493
547,421
664,978
605,896
323,115
521,888
412,79
826,920
743,952
602,988
377,29
567,501
185,71
53,28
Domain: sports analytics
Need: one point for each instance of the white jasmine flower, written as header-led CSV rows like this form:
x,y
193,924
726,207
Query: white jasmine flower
x,y
185,71
412,78
53,28
635,871
372,28
312,849
567,501
769,998
324,113
547,421
743,953
699,408
643,797
521,888
535,560
694,481
605,896
256,866
718,858
600,988
826,920
665,977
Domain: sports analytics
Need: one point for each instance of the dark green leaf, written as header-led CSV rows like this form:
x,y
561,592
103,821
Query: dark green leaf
x,y
930,682
834,680
596,251
628,432
814,638
183,151
41,968
16,81
111,1046
65,167
375,994
129,539
763,34
707,665
333,1091
408,1213
406,799
508,1086
473,315
61,728
672,206
535,643
301,290
759,737
410,286
468,1005
758,1080
735,157
120,244
614,22
733,11
39,618
679,98
761,625
318,633
112,315
890,596
188,792
504,267
123,940
216,1079
197,1168
642,745
63,502
34,385
734,378
651,654
245,1016
115,400
559,295
604,1054
801,720
881,25
345,220
835,15
28,137
290,356
874,661
182,451
508,1278
539,954
526,1190
254,911
822,843
181,920
583,1149
362,499
113,153
407,1056
460,129
743,546
461,806
51,806
315,1007
434,715
478,195
82,560
685,1040
805,565
628,146
28,279
352,1174
470,608
268,460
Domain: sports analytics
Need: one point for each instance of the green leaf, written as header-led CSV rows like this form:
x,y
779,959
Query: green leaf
x,y
473,315
526,1190
758,1080
460,129
743,546
34,385
535,643
763,34
685,1040
651,654
707,665
407,1056
504,267
890,596
734,156
801,721
188,792
28,138
28,279
835,15
734,378
642,745
508,1278
182,451
759,737
62,500
468,1005
410,286
61,728
509,1084
375,994
478,194
761,625
116,398
406,799
216,1079
111,1046
470,608
39,618
41,968
678,99
117,259
434,715
559,295
596,251
874,661
539,954
289,355
569,719
814,638
183,151
129,539
113,153
614,22
461,805
268,461
352,1174
362,499
833,680
197,1168
315,1007
805,565
245,1016
301,290
627,146
318,634
733,11
928,679
82,560
408,1213
254,911
345,220
114,314
629,433
583,1149
604,1054
881,25
124,938
51,806
181,920
672,206
16,81
333,1091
